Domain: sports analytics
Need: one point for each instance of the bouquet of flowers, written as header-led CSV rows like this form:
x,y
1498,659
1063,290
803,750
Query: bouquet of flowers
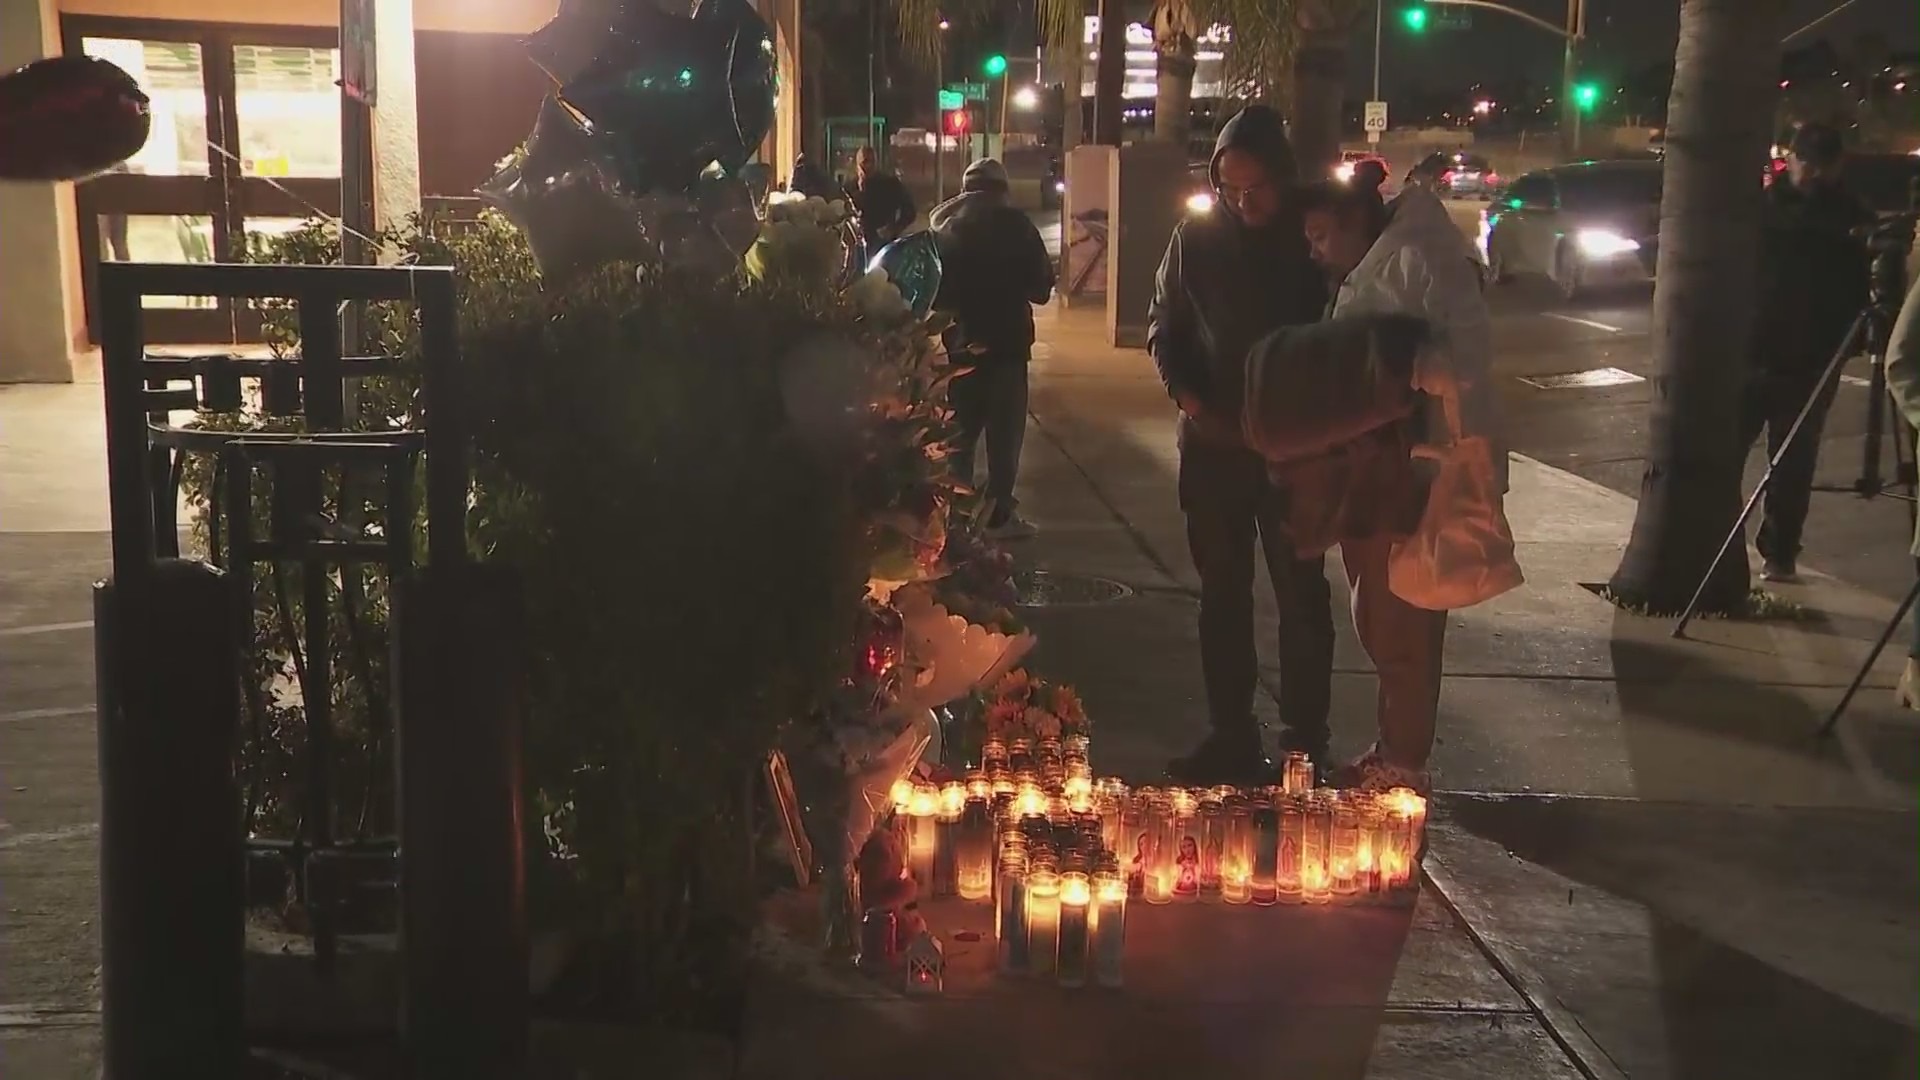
x,y
1021,706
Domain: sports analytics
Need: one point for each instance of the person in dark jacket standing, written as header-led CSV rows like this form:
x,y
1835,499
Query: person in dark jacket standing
x,y
808,180
1814,279
994,268
885,206
1229,278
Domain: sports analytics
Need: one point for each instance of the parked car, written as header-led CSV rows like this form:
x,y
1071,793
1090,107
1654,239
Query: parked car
x,y
1461,173
1581,226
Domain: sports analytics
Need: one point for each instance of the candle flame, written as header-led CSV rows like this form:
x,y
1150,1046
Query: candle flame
x,y
925,801
901,793
953,798
1075,891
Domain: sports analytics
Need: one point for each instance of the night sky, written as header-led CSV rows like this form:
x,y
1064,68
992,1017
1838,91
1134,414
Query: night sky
x,y
1628,34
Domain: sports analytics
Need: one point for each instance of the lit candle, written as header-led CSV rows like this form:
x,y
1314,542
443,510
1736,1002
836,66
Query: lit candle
x,y
1292,842
1020,756
1296,776
1010,912
1268,853
1079,801
1059,811
976,851
1003,784
1402,878
1052,752
993,753
1162,849
923,808
1029,800
1109,925
1079,782
902,795
1366,856
1414,806
1076,894
946,838
978,786
1315,881
1136,839
1076,748
1043,919
1343,850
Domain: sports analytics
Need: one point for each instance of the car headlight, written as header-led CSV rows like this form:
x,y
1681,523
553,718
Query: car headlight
x,y
1059,185
1200,202
1343,172
1601,243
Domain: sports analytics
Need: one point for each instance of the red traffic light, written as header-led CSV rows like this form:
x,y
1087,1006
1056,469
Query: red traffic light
x,y
956,122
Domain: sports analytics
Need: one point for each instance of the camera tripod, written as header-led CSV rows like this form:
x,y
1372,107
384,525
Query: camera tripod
x,y
1871,332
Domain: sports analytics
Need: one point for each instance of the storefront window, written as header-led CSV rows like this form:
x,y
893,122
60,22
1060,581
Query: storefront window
x,y
289,109
159,238
172,75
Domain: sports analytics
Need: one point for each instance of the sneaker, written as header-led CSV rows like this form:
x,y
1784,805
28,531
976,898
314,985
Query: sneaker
x,y
1782,571
1373,773
1011,527
1222,760
1908,692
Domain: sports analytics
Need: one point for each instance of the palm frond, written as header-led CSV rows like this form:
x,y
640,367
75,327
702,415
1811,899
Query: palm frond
x,y
919,25
1259,60
1059,25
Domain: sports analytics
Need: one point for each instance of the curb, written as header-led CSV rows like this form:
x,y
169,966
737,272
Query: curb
x,y
1561,1025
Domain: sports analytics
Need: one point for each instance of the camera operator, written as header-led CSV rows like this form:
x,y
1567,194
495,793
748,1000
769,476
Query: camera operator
x,y
1903,382
1813,283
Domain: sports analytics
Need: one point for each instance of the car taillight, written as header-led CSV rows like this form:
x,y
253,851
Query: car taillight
x,y
1491,179
1447,177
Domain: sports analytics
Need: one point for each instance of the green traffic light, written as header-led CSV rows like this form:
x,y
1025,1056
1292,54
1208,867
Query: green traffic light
x,y
1415,18
995,66
1586,96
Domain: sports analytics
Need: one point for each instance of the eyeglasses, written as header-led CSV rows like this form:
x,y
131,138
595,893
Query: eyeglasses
x,y
1238,195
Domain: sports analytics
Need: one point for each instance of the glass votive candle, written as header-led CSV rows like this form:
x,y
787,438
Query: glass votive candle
x,y
922,843
1267,844
1043,919
1212,828
978,786
993,752
1059,811
1316,882
1080,801
1296,773
1010,911
1079,780
1076,900
1183,801
1293,842
1020,756
1029,800
1162,851
1076,748
1401,872
1343,850
946,834
1109,925
1003,783
901,795
1413,805
1236,855
1050,751
1136,839
976,853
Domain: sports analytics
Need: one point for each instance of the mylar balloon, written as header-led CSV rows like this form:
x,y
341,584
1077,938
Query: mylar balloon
x,y
912,263
573,217
572,38
68,118
666,96
726,205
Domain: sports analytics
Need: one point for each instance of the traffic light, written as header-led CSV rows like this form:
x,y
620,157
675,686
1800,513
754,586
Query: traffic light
x,y
1415,18
956,122
1586,95
995,66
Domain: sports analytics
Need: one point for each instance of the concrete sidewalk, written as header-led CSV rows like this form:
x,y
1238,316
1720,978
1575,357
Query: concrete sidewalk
x,y
1642,831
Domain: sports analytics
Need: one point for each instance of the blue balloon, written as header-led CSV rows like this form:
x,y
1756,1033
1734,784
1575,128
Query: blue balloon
x,y
912,263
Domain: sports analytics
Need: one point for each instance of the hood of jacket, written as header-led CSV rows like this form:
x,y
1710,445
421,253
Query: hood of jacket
x,y
1418,220
1262,133
966,210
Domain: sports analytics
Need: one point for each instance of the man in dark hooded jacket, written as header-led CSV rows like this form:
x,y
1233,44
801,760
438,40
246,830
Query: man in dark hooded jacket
x,y
1813,282
1229,278
994,268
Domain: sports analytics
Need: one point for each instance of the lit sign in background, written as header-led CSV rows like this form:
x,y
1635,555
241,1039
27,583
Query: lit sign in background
x,y
1208,76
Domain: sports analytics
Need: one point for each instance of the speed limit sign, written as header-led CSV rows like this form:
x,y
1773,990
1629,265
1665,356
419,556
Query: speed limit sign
x,y
1376,116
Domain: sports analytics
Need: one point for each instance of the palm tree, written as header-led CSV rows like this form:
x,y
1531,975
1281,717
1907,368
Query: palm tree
x,y
1176,50
1717,135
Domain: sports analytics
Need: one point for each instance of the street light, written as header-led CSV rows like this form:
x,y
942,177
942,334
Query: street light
x,y
1026,99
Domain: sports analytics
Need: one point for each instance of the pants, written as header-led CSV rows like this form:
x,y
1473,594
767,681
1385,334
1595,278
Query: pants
x,y
1913,650
1229,502
991,400
1773,401
1405,644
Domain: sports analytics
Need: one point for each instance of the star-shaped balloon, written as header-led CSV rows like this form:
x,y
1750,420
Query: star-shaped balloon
x,y
68,118
665,96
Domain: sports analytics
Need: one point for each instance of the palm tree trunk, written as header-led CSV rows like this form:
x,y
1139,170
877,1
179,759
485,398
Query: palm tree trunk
x,y
1319,90
1173,91
1717,135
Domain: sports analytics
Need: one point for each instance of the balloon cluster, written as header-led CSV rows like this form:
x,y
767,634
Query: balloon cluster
x,y
635,156
69,118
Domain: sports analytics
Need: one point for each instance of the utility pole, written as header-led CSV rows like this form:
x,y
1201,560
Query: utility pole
x,y
873,50
1379,15
939,117
1570,72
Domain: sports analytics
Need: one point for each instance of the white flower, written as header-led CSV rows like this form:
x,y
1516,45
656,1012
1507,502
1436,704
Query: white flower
x,y
876,297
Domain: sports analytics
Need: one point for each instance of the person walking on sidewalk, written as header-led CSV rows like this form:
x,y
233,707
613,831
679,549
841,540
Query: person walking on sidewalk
x,y
1405,257
885,206
1813,281
1228,279
994,268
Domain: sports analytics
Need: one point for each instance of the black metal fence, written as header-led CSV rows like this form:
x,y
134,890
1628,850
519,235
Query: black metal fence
x,y
176,678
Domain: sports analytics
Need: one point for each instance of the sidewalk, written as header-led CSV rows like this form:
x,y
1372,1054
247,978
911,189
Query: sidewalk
x,y
1643,831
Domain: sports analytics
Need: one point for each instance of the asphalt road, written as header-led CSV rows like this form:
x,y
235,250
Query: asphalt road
x,y
1600,431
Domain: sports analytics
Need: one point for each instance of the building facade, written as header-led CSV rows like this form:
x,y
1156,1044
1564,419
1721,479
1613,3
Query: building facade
x,y
247,141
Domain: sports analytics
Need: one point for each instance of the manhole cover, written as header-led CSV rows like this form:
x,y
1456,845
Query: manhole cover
x,y
1583,380
1041,588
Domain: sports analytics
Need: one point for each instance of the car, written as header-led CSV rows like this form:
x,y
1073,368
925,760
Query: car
x,y
1351,159
1885,182
1580,226
1467,174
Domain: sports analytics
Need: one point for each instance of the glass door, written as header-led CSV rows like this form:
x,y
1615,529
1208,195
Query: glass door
x,y
245,143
